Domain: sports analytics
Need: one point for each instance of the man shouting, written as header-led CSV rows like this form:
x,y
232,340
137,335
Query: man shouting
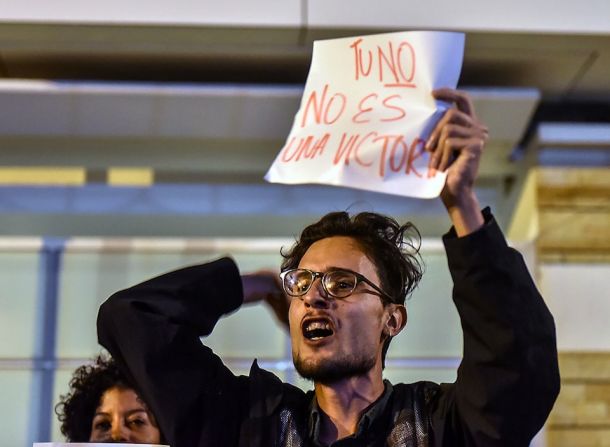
x,y
347,278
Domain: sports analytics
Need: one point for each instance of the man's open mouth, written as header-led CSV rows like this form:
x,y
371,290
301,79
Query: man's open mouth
x,y
317,328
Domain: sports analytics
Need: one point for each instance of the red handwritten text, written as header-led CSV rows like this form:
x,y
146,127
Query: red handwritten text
x,y
394,66
368,104
307,147
391,152
327,112
349,147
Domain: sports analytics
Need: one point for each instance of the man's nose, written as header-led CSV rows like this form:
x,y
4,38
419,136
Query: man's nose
x,y
316,296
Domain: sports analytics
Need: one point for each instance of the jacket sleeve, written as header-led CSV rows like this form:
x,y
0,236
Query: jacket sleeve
x,y
153,331
508,379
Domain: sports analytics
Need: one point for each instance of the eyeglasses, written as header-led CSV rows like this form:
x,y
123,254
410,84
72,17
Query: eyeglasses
x,y
336,283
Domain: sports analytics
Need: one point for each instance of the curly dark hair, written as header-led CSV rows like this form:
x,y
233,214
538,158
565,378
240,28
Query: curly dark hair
x,y
89,382
392,248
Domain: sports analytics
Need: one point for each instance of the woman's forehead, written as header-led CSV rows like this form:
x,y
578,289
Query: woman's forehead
x,y
120,397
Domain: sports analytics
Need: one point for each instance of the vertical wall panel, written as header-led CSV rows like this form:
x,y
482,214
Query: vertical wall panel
x,y
18,293
579,298
433,326
15,386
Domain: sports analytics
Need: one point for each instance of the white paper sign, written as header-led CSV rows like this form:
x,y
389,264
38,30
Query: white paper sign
x,y
367,111
90,444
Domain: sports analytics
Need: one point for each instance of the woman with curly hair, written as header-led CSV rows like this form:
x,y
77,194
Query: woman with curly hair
x,y
103,407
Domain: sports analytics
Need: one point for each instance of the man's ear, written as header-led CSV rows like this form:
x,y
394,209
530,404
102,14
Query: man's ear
x,y
397,319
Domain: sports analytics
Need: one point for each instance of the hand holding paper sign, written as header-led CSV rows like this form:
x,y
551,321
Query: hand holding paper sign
x,y
456,145
367,110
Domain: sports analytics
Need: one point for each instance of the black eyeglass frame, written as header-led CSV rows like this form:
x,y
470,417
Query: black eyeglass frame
x,y
323,275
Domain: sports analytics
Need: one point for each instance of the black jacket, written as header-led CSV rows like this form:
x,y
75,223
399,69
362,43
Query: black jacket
x,y
506,385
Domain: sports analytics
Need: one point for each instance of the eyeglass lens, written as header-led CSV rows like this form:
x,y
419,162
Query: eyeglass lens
x,y
337,283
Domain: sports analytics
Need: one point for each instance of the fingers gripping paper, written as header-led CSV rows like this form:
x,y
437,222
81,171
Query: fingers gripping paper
x,y
367,110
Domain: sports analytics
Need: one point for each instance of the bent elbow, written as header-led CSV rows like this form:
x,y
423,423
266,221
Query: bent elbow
x,y
108,313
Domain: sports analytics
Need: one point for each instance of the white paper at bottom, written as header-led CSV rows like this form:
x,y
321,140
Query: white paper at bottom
x,y
90,444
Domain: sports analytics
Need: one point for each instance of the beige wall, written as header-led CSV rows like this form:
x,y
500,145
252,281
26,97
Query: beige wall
x,y
573,240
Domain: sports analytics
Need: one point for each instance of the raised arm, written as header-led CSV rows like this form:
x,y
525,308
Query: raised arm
x,y
153,330
508,378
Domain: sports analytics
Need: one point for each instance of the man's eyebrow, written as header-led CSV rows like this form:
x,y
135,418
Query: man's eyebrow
x,y
332,268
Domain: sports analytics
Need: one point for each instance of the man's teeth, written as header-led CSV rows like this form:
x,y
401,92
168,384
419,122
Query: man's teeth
x,y
315,330
317,325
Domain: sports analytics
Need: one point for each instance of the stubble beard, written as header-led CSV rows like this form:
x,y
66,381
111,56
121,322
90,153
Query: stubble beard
x,y
330,371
